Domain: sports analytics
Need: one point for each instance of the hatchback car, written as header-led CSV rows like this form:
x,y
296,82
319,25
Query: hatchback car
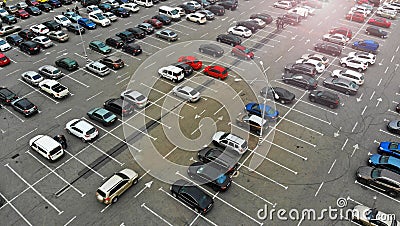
x,y
380,22
230,141
357,17
167,35
7,96
50,71
119,107
326,98
14,39
191,61
207,13
112,62
216,9
33,10
43,41
301,80
242,52
342,85
87,23
30,47
328,48
100,47
126,36
45,7
259,109
135,97
4,45
26,34
336,38
120,12
4,60
216,71
115,42
240,31
211,174
24,106
32,77
263,16
102,115
131,48
385,162
137,32
82,129
211,49
376,31
187,93
219,156
52,25
67,63
278,94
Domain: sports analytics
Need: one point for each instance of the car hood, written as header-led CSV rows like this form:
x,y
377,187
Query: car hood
x,y
364,172
249,106
393,124
384,145
374,159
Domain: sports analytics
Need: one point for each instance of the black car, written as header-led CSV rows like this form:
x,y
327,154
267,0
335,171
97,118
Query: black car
x,y
75,28
54,3
216,9
251,25
219,156
33,10
66,2
24,106
85,3
30,47
105,7
301,68
263,16
211,49
231,5
133,49
67,63
45,7
52,25
115,42
9,19
14,39
7,96
112,62
126,36
376,31
211,174
328,48
164,19
192,196
187,69
301,80
137,32
326,98
148,28
26,34
120,12
278,94
187,8
229,39
118,106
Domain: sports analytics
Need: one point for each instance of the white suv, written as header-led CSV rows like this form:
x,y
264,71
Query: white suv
x,y
172,73
353,63
348,74
82,129
283,4
47,147
230,141
100,19
367,58
197,18
240,31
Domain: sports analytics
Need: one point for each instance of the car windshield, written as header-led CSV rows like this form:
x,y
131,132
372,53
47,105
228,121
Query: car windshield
x,y
384,159
246,50
55,150
36,77
2,42
63,18
26,104
203,201
221,179
56,71
352,85
107,115
174,12
376,172
101,45
393,145
140,98
100,17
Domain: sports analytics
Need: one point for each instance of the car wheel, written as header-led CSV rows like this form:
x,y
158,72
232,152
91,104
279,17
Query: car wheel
x,y
392,194
367,33
360,70
312,99
285,81
201,50
332,106
214,55
218,40
343,65
135,181
115,199
283,102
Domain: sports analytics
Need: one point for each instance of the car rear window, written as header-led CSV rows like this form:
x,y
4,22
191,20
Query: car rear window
x,y
3,58
55,150
193,92
140,98
107,115
91,131
244,145
101,193
221,179
25,104
58,88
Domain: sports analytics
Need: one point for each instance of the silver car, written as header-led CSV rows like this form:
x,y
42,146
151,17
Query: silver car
x,y
50,71
43,41
342,85
167,35
134,97
186,93
32,77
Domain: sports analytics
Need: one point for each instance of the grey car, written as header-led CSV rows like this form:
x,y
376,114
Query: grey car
x,y
32,77
134,97
24,106
167,35
342,85
186,93
50,71
209,15
219,156
383,179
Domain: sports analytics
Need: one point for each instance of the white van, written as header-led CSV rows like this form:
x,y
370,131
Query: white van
x,y
169,12
145,3
47,147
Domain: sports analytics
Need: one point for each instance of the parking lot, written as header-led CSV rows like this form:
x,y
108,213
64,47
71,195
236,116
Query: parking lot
x,y
309,156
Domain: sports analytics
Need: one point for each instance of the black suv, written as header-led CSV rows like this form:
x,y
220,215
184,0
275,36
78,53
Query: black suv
x,y
301,80
216,9
262,16
187,8
137,32
115,42
251,25
229,39
326,98
133,49
118,106
328,48
301,68
25,107
7,96
187,69
379,178
30,47
52,25
45,7
376,31
126,36
231,5
14,39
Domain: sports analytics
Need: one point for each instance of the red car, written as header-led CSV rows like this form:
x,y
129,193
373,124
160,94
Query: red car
x,y
242,52
4,61
22,14
357,17
380,22
154,22
32,2
342,30
216,72
191,61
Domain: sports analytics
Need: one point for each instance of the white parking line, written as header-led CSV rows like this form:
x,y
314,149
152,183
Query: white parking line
x,y
149,65
290,135
12,72
94,96
38,61
151,211
170,152
15,209
305,127
67,76
63,113
320,186
311,116
26,134
109,156
34,189
73,218
94,171
251,192
262,175
146,134
330,169
380,130
13,114
332,112
149,43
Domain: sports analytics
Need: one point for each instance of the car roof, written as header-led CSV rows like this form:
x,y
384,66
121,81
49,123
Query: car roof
x,y
219,68
83,125
50,82
47,142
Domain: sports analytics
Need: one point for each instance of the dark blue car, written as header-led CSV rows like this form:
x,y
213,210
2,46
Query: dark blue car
x,y
87,23
257,109
390,148
54,3
385,162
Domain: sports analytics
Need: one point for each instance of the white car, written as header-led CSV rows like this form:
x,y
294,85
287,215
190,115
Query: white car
x,y
50,71
197,18
172,73
348,74
113,3
361,9
283,4
3,12
230,141
93,9
196,5
32,77
39,29
131,7
367,58
315,56
43,41
260,22
21,5
353,63
336,38
100,19
319,66
47,147
82,129
240,31
54,88
311,10
186,93
135,97
4,45
371,216
110,16
64,21
392,6
299,11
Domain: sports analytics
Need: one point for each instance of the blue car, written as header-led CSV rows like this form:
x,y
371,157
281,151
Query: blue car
x,y
87,23
390,148
54,3
385,162
257,109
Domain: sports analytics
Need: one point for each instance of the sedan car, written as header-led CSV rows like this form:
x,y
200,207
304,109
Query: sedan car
x,y
132,48
314,56
82,129
207,13
7,96
385,162
229,39
301,80
211,174
54,88
115,42
146,27
120,12
328,48
252,25
240,31
167,35
111,16
131,7
60,19
52,25
100,19
376,31
357,17
26,34
192,195
389,148
242,52
354,63
39,29
135,97
278,94
211,49
263,16
259,109
50,71
58,36
380,22
67,63
219,156
73,17
187,93
76,28
388,14
112,62
4,60
33,10
14,39
342,85
32,77
231,5
100,47
45,7
93,8
4,45
164,19
118,106
384,180
87,23
24,106
43,41
326,98
137,32
9,19
102,115
154,22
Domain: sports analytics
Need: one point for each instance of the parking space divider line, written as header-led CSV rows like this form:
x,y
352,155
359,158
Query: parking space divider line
x,y
15,209
73,156
249,191
155,214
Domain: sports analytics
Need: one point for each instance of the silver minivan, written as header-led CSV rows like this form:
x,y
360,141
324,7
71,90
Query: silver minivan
x,y
98,68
